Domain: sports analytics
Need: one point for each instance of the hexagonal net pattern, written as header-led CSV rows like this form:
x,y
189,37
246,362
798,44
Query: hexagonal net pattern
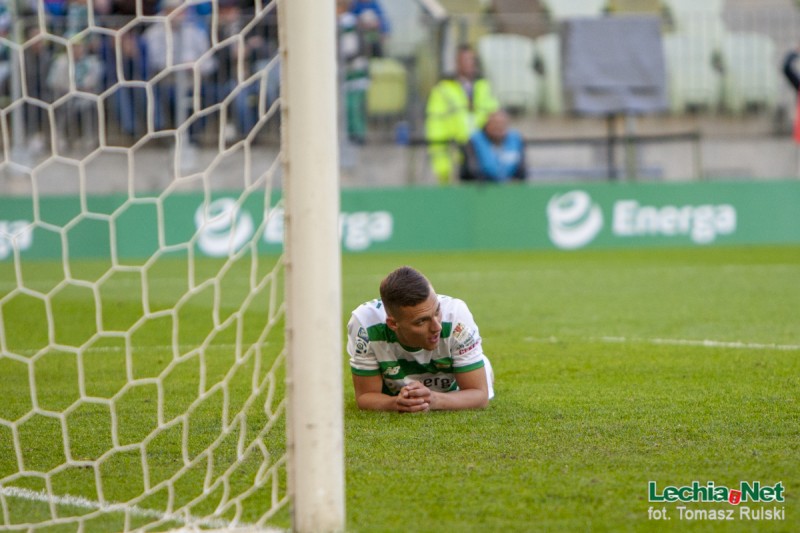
x,y
141,355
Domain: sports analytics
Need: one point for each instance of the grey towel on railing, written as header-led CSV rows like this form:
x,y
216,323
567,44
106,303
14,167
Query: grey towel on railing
x,y
614,65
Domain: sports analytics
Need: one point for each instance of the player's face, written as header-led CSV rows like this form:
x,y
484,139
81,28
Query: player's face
x,y
419,326
467,64
497,126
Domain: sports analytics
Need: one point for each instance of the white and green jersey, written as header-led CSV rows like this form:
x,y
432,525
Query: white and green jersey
x,y
374,349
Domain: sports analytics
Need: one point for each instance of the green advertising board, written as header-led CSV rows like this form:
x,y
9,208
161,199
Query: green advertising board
x,y
522,216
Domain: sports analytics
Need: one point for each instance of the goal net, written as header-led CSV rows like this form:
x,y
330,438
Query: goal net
x,y
149,180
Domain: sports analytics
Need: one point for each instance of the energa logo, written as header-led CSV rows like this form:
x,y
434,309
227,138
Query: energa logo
x,y
224,227
15,234
573,219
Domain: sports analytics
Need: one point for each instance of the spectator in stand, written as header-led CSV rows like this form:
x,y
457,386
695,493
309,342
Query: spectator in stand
x,y
792,76
57,8
229,25
76,119
259,47
68,17
495,153
37,58
457,106
5,18
373,25
356,67
5,54
127,8
55,12
131,101
181,53
77,16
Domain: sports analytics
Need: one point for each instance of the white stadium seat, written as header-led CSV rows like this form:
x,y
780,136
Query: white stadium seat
x,y
507,61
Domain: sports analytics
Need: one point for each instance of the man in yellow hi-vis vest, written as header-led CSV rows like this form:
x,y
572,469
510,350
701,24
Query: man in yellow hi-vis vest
x,y
457,106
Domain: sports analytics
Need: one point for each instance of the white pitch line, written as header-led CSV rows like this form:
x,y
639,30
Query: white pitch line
x,y
85,503
677,342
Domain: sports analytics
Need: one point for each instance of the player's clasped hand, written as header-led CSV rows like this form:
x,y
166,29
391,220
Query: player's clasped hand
x,y
414,398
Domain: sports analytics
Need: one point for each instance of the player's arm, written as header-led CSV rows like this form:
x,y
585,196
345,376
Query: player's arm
x,y
369,396
367,380
469,370
473,393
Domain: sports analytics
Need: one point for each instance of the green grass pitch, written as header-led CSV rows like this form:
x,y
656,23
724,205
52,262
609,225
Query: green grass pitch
x,y
613,369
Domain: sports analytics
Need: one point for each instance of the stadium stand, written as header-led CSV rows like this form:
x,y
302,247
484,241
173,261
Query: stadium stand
x,y
723,60
467,19
697,18
620,7
523,17
387,94
508,64
750,79
561,9
694,83
548,49
407,31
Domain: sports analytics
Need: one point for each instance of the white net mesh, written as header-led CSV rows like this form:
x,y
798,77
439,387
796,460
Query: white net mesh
x,y
141,333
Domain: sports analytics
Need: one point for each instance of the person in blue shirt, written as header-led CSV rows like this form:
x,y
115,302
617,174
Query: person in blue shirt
x,y
373,25
495,153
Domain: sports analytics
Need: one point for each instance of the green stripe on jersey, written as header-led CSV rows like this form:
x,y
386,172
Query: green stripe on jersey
x,y
359,372
390,368
382,332
468,368
447,328
402,367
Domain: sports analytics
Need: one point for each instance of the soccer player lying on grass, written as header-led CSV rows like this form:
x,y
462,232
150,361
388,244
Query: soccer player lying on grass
x,y
414,350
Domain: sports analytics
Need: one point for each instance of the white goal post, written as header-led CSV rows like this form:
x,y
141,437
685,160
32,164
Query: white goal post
x,y
313,272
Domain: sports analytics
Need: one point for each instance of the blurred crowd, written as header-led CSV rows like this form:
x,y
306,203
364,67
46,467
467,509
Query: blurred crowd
x,y
149,66
363,28
220,53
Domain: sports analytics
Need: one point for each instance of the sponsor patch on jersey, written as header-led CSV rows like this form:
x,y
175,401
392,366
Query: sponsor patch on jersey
x,y
440,383
362,341
391,370
463,336
443,363
469,348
